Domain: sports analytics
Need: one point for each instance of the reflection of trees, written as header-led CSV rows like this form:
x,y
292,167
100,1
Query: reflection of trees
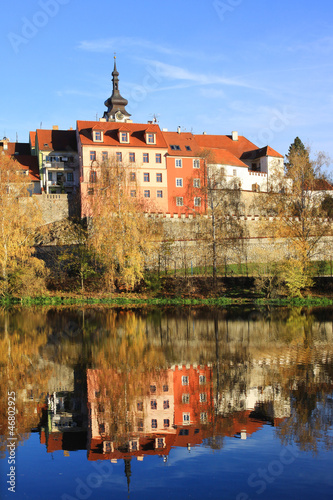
x,y
311,418
127,363
22,335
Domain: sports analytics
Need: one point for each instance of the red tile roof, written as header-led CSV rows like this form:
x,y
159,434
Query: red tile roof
x,y
259,153
321,185
237,148
184,140
32,136
110,130
20,152
224,157
29,163
56,140
18,148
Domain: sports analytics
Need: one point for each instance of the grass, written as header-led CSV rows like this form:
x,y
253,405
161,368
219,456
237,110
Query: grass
x,y
164,302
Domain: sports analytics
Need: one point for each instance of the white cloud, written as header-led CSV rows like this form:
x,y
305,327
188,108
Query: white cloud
x,y
180,73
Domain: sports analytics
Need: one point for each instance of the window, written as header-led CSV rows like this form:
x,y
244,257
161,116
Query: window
x,y
203,417
146,193
178,163
196,163
184,380
203,397
70,177
202,379
160,443
186,418
140,406
179,201
98,135
166,422
165,388
158,158
101,428
184,432
146,177
196,183
132,177
153,389
133,193
185,399
234,172
92,155
166,404
124,137
49,176
119,156
90,191
97,394
188,148
179,182
150,138
145,158
175,147
93,176
132,157
153,404
140,425
153,423
159,193
197,201
158,177
105,156
134,446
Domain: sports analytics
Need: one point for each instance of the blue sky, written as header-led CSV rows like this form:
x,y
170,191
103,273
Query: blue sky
x,y
260,67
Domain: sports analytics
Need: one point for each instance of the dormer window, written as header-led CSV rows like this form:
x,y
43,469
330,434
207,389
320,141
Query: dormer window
x,y
150,138
97,136
124,137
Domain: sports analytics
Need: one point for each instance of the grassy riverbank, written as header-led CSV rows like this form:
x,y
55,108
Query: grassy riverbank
x,y
185,292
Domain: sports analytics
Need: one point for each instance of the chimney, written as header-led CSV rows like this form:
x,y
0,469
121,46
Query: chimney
x,y
178,130
5,142
55,127
234,135
204,133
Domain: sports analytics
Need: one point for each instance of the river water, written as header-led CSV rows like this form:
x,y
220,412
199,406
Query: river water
x,y
193,403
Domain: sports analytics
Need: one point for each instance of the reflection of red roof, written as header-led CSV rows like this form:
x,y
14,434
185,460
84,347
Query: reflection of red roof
x,y
54,442
146,447
185,141
237,148
224,157
110,130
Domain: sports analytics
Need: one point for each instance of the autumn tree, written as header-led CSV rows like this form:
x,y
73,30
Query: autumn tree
x,y
223,229
20,216
120,233
295,202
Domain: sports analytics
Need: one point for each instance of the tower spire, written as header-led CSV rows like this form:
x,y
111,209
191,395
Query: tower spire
x,y
116,103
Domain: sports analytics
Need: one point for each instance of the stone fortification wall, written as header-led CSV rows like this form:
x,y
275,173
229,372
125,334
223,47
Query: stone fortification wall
x,y
56,207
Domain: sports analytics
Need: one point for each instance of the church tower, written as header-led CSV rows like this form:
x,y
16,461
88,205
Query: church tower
x,y
116,103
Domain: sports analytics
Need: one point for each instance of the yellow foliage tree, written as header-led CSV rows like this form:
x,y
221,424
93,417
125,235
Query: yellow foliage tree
x,y
19,219
120,234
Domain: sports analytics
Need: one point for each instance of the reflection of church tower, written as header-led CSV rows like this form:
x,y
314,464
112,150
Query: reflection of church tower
x,y
128,473
116,103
